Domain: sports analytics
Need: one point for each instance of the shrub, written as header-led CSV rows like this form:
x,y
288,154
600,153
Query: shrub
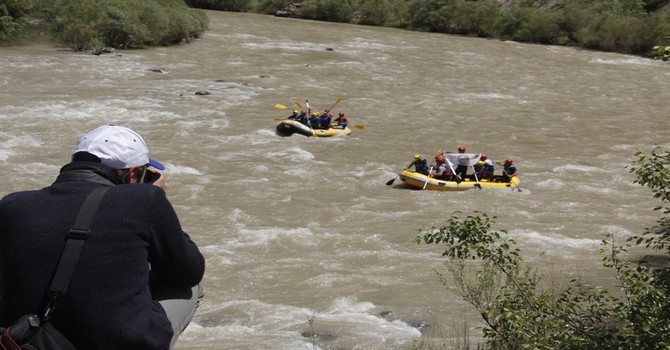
x,y
473,17
328,10
376,12
12,14
510,22
88,24
270,7
429,15
518,312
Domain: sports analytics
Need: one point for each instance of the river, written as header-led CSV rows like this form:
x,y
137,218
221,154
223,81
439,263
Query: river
x,y
306,246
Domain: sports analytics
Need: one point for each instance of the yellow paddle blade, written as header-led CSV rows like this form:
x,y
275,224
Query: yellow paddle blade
x,y
280,106
359,126
298,104
277,119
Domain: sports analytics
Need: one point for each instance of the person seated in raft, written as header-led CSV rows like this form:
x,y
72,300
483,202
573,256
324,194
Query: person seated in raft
x,y
303,117
509,171
294,115
488,169
324,119
441,171
461,170
342,122
479,170
420,165
314,120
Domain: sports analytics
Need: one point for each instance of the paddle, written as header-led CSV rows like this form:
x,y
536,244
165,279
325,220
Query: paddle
x,y
474,173
426,183
359,126
298,104
277,119
309,123
516,188
390,182
280,106
336,103
453,172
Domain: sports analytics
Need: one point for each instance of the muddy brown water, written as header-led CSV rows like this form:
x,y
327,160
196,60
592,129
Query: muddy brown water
x,y
306,246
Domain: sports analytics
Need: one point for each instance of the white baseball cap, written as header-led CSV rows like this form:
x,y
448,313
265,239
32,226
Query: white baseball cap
x,y
117,147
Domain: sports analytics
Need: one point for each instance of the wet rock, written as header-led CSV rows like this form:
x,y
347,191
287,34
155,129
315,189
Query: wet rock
x,y
320,337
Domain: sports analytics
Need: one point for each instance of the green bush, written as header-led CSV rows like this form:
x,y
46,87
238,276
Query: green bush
x,y
12,15
328,10
519,312
183,26
376,12
541,28
611,25
81,36
572,19
617,34
93,24
270,7
429,15
474,17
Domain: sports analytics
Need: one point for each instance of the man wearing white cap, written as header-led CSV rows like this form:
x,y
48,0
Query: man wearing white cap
x,y
136,284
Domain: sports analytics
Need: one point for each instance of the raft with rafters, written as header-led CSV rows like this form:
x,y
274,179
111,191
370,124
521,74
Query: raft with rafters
x,y
422,181
289,127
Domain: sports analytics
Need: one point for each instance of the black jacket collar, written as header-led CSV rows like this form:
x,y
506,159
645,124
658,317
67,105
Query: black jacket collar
x,y
90,172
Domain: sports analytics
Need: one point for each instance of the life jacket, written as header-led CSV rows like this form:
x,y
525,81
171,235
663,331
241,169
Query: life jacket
x,y
508,169
421,166
325,121
444,169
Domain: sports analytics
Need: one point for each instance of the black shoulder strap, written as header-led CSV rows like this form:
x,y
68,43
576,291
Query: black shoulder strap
x,y
73,246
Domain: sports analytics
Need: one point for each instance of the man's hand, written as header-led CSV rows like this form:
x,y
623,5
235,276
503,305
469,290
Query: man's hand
x,y
160,181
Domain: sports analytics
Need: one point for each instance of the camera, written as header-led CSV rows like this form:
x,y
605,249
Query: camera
x,y
150,176
147,176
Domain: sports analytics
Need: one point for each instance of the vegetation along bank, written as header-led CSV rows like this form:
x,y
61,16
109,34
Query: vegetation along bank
x,y
639,27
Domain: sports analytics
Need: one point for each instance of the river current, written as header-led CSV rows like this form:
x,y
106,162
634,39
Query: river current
x,y
306,246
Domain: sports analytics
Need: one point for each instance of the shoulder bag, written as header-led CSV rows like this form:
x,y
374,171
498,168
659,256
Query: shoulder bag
x,y
33,332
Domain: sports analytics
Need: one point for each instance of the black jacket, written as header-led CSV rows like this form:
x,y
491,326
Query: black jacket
x,y
108,304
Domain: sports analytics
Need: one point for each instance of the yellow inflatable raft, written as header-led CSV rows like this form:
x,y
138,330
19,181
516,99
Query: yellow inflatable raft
x,y
424,182
288,127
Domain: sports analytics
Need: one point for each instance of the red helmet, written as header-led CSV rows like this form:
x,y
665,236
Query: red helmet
x,y
483,157
508,161
461,149
439,159
341,114
304,111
